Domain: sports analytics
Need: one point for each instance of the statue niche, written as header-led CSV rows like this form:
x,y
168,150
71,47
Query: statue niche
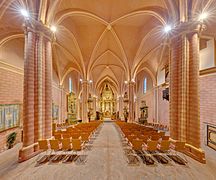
x,y
144,113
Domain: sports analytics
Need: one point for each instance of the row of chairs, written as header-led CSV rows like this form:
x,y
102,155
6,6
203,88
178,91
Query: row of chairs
x,y
148,141
136,131
73,142
66,144
83,130
158,126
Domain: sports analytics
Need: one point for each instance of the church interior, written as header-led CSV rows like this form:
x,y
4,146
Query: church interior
x,y
110,89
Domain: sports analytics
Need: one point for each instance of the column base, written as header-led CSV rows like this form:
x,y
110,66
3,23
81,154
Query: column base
x,y
28,152
195,153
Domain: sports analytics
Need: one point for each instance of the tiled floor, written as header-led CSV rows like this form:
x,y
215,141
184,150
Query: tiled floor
x,y
106,160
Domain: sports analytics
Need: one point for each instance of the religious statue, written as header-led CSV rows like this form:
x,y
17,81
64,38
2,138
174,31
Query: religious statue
x,y
125,114
90,113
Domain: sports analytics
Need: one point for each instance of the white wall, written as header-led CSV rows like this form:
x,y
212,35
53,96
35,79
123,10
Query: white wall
x,y
161,77
207,55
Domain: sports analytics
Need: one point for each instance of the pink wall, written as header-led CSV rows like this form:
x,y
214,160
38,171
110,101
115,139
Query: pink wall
x,y
149,98
11,87
163,108
208,98
11,92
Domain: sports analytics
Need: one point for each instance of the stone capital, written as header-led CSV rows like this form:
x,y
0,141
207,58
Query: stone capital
x,y
185,28
131,83
38,28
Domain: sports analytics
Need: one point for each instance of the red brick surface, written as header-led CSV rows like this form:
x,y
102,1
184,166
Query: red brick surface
x,y
11,87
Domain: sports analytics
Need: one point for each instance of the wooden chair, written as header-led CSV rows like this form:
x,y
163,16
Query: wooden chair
x,y
165,137
66,135
85,137
43,145
164,146
155,137
54,145
58,137
152,146
75,135
137,144
66,144
77,146
161,134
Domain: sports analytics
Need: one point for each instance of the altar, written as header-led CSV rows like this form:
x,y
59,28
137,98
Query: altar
x,y
107,102
108,120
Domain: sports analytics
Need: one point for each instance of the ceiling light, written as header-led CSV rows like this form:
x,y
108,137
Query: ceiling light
x,y
90,81
24,12
125,82
203,16
53,29
81,80
167,28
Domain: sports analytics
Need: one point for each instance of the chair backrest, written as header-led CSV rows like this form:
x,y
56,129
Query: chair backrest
x,y
179,146
76,144
85,136
43,145
161,134
66,144
54,144
144,138
152,145
165,137
75,135
155,137
130,138
57,136
165,145
137,144
66,136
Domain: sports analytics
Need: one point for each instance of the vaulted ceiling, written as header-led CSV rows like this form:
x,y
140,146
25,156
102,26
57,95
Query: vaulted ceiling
x,y
108,40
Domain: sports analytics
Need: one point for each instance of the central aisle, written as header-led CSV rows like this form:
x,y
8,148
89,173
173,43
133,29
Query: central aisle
x,y
106,161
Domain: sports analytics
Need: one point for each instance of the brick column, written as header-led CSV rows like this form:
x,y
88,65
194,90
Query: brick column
x,y
84,101
131,101
121,104
94,106
28,101
48,89
184,92
37,102
78,108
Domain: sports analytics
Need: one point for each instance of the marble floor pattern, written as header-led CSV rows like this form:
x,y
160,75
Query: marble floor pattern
x,y
106,161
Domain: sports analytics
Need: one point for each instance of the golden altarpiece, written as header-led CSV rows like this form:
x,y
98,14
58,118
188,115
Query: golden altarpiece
x,y
71,105
107,102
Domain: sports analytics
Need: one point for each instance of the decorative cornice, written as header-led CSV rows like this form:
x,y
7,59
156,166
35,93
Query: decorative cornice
x,y
12,68
207,71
